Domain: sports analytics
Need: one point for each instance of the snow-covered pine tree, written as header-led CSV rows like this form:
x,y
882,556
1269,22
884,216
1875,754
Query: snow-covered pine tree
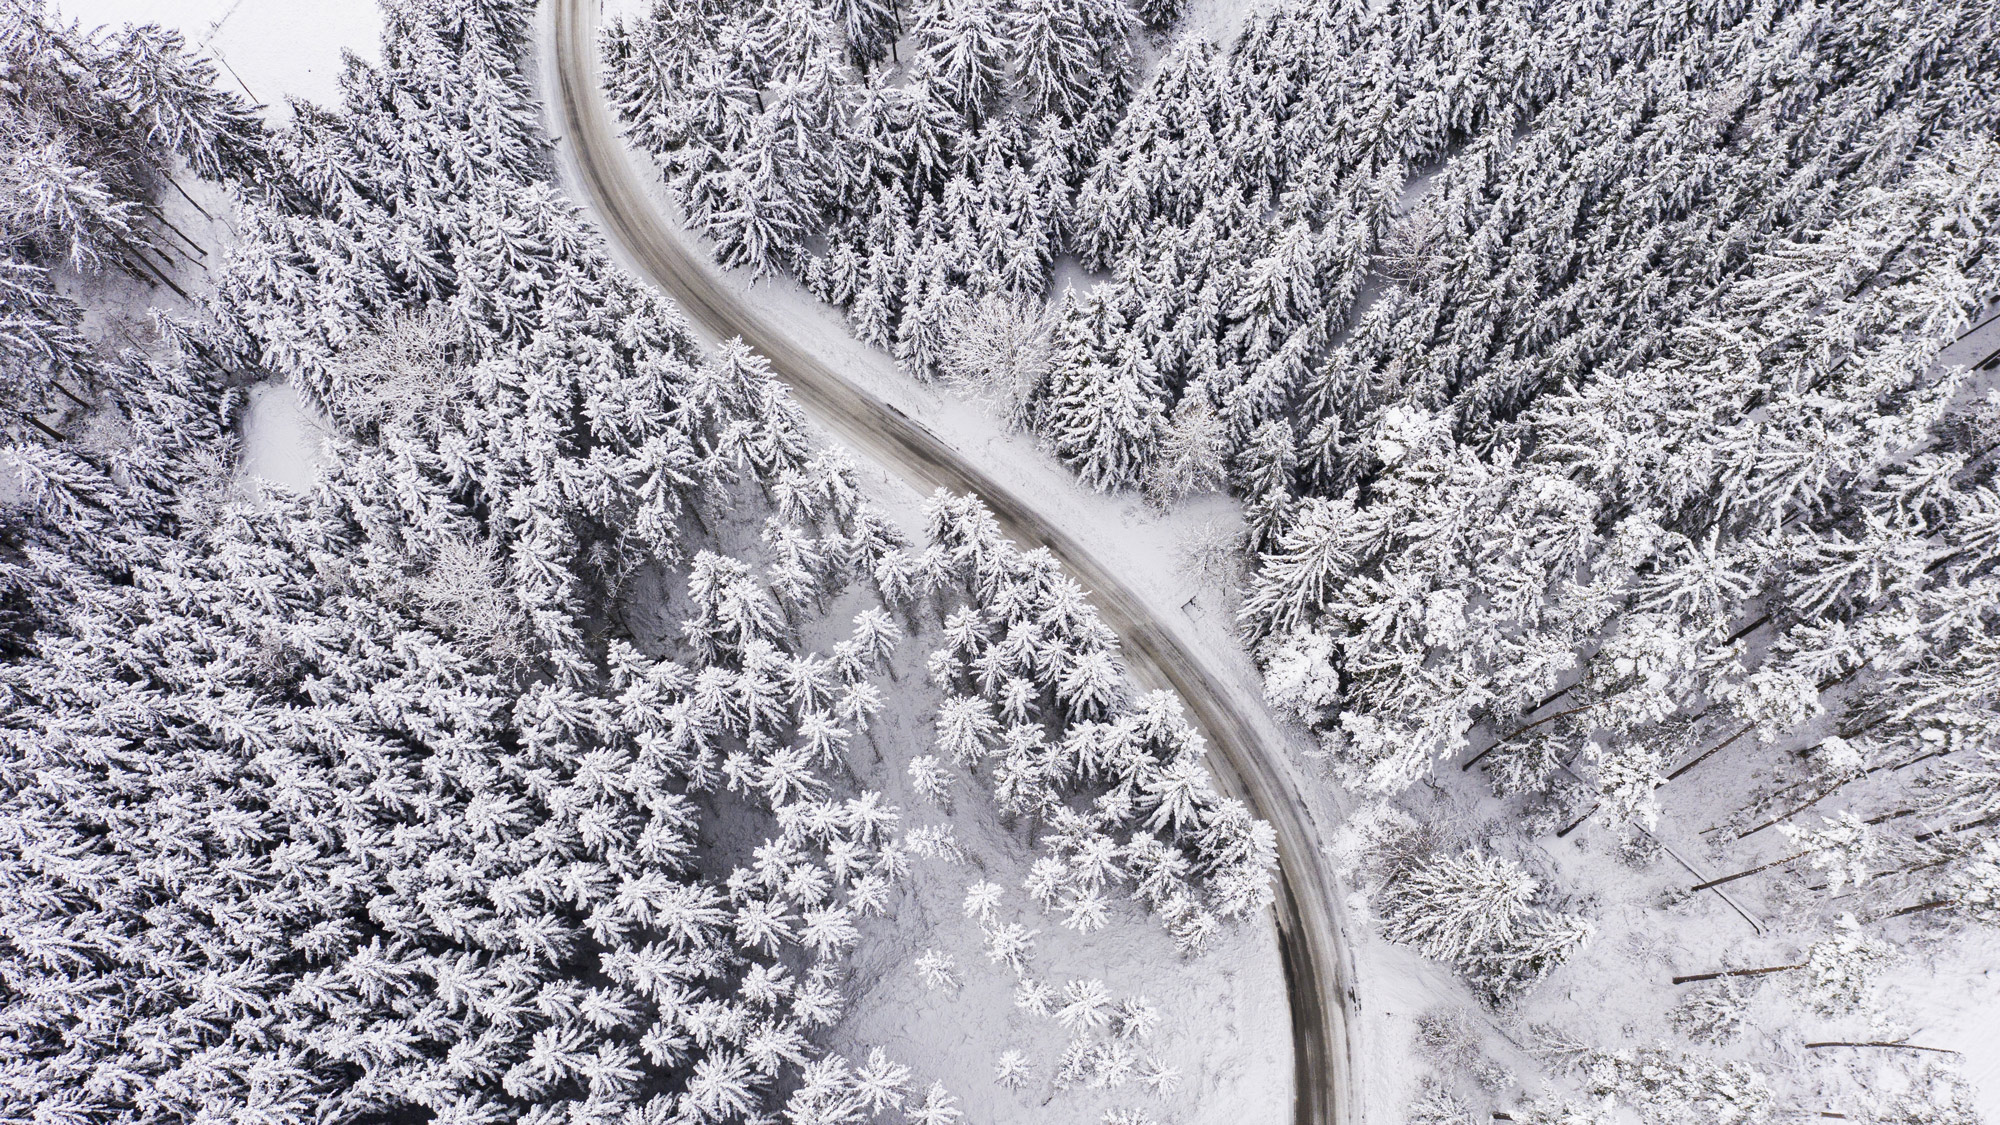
x,y
1478,912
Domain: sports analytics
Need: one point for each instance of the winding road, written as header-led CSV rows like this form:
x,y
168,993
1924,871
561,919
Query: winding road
x,y
1245,742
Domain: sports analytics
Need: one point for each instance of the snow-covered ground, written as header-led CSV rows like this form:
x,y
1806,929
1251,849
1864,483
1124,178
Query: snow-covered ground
x,y
271,50
1218,21
283,441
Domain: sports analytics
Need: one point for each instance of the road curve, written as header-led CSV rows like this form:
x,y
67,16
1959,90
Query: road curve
x,y
1325,1089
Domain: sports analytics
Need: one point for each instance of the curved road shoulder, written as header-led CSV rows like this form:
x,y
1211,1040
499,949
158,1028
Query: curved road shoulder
x,y
1311,943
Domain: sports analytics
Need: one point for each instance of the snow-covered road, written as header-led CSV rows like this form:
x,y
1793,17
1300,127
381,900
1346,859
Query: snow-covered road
x,y
1247,744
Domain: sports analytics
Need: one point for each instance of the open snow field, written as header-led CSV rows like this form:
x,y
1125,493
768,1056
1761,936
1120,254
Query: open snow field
x,y
270,50
283,441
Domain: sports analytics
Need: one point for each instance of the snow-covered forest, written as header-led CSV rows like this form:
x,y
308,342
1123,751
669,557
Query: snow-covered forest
x,y
1607,390
1600,401
375,801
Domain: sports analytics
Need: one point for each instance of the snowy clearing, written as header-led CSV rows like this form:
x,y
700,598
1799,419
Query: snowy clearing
x,y
271,50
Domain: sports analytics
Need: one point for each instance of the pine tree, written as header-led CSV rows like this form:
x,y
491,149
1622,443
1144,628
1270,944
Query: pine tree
x,y
1666,1085
1313,557
1300,676
1455,906
762,223
1104,419
1011,1070
1057,53
1194,446
1541,943
962,49
871,27
55,210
